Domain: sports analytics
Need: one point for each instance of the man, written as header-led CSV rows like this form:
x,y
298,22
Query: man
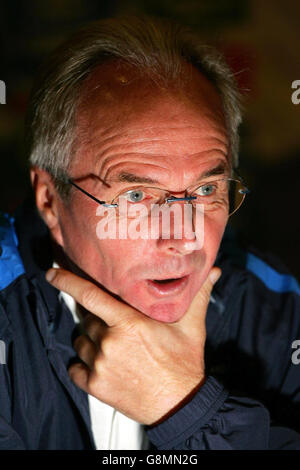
x,y
135,113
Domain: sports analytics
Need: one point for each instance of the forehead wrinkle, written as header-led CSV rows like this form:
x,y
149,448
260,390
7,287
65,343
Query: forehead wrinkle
x,y
128,169
122,127
104,159
156,130
219,169
108,164
142,134
151,135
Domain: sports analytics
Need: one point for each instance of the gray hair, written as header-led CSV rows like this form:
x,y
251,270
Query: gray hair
x,y
155,46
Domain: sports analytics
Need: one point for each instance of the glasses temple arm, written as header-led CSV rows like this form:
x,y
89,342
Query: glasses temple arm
x,y
90,195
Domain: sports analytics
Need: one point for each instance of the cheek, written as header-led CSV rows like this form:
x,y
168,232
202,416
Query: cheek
x,y
214,230
213,233
106,260
120,258
79,240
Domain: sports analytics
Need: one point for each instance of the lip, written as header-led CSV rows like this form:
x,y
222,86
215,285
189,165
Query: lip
x,y
172,288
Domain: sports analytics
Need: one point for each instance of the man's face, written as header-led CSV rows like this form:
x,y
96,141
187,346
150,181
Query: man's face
x,y
129,126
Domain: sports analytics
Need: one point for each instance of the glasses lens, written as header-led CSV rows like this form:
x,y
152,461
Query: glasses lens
x,y
222,194
214,195
237,193
139,201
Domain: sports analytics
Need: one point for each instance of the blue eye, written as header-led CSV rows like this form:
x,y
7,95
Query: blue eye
x,y
205,190
135,195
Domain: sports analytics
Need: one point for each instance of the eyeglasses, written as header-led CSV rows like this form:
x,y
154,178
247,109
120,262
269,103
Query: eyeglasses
x,y
225,193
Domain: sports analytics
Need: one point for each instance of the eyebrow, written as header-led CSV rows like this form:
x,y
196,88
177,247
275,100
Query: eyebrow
x,y
132,178
220,169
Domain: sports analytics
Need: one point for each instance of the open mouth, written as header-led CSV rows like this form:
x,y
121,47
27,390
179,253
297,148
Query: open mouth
x,y
164,281
168,286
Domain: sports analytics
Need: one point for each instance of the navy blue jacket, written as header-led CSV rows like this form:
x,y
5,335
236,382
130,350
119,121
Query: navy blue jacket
x,y
251,399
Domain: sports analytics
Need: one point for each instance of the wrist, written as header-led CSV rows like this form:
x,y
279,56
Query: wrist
x,y
179,404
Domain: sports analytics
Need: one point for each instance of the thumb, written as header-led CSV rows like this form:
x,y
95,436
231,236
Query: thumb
x,y
214,275
196,313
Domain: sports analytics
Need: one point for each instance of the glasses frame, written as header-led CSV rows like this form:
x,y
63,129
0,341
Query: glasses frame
x,y
171,199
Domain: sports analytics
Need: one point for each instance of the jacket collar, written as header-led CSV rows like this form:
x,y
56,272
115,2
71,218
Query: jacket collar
x,y
36,250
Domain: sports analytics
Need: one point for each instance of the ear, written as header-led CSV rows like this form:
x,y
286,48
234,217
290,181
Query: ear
x,y
47,201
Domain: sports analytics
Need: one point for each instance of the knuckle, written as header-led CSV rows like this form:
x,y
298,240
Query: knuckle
x,y
78,342
81,343
91,322
97,381
98,370
106,345
87,351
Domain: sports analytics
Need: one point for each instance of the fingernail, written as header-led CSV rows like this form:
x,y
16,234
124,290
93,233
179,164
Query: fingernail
x,y
50,275
215,275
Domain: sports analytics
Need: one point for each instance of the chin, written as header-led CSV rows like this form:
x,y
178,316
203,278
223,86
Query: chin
x,y
170,312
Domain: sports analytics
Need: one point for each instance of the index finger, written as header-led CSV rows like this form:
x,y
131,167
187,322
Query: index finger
x,y
90,296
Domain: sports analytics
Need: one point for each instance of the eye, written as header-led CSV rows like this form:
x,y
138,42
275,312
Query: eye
x,y
206,190
135,195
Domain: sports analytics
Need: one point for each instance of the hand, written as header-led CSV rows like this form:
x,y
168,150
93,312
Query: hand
x,y
142,367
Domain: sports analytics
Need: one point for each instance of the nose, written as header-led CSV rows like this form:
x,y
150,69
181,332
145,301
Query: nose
x,y
181,229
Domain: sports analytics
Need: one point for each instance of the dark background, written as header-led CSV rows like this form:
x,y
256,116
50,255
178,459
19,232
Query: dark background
x,y
261,41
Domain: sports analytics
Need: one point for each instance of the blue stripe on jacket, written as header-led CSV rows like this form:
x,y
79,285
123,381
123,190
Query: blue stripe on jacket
x,y
272,279
11,265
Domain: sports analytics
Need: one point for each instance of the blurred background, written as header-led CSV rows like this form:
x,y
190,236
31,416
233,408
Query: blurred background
x,y
260,40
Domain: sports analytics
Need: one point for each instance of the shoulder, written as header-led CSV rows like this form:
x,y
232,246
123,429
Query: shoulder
x,y
11,265
271,273
263,270
260,323
258,291
272,294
